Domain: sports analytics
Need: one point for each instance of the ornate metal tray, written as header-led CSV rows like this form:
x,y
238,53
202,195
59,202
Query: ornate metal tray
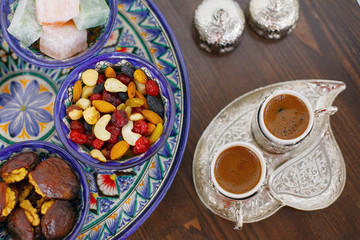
x,y
309,178
120,201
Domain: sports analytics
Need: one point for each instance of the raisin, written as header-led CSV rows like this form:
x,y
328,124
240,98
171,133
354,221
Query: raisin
x,y
87,126
90,138
124,79
120,138
101,78
77,125
140,127
123,96
152,88
128,70
119,118
141,145
97,96
155,105
97,143
112,98
99,88
78,137
114,131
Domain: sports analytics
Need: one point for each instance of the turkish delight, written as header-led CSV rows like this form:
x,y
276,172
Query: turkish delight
x,y
63,41
56,11
24,25
92,13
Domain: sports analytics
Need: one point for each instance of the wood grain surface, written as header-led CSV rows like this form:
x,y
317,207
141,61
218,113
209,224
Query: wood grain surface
x,y
324,45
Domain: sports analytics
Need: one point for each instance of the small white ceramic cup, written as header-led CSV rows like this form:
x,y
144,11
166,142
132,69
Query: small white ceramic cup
x,y
275,139
242,196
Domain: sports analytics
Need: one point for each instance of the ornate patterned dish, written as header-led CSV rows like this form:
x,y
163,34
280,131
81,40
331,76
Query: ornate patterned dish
x,y
119,201
308,178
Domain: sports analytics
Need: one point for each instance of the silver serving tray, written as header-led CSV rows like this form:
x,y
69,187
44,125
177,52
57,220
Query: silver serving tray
x,y
308,178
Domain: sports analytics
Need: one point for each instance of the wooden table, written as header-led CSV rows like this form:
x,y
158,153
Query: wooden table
x,y
324,45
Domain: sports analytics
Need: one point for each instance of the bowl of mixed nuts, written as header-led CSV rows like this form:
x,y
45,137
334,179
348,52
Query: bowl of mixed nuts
x,y
114,111
43,192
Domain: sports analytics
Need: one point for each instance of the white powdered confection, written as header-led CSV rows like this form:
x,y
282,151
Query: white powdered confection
x,y
92,13
61,42
24,25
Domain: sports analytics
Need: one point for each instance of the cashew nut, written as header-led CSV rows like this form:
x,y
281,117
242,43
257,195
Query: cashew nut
x,y
136,117
91,115
83,103
97,154
140,87
114,85
87,91
99,128
129,136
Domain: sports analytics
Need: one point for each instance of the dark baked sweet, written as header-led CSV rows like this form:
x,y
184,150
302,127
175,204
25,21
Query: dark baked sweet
x,y
53,178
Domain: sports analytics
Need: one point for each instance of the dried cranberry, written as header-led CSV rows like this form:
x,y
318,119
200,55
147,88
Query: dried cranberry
x,y
140,127
137,109
141,145
77,125
112,98
151,88
78,137
101,78
90,138
119,118
115,131
97,143
124,79
96,96
134,151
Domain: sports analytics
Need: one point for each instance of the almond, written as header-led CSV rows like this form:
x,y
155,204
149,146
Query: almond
x,y
152,116
77,91
103,106
119,149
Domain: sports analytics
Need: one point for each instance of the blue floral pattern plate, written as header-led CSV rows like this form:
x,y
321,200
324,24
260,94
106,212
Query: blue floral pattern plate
x,y
120,201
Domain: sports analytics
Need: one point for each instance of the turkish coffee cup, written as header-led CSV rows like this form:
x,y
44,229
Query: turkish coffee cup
x,y
238,171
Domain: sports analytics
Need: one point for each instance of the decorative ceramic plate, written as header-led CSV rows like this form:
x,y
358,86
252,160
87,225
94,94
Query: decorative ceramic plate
x,y
308,178
120,201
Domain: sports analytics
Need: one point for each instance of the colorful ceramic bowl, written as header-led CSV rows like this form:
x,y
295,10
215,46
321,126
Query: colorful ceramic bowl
x,y
64,99
97,38
45,150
